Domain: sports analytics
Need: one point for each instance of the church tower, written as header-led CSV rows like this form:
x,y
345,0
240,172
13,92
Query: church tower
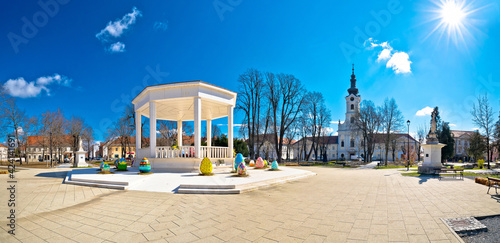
x,y
352,99
349,140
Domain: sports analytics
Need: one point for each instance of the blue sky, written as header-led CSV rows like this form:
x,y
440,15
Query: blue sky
x,y
70,60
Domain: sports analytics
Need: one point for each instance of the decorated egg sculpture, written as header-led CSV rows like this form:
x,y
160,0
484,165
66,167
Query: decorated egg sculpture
x,y
239,159
104,167
274,165
122,165
242,169
252,163
265,163
206,166
259,163
116,162
145,166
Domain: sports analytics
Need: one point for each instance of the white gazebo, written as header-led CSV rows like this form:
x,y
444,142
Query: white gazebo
x,y
184,101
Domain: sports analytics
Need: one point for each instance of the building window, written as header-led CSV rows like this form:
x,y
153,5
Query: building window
x,y
342,144
116,149
352,142
352,119
352,107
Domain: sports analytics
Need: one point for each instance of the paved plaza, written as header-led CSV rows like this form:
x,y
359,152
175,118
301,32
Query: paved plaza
x,y
336,205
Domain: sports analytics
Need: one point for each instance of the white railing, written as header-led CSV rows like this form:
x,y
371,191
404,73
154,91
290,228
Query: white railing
x,y
188,152
214,152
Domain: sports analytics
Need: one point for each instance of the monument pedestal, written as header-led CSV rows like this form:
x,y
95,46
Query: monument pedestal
x,y
80,159
432,158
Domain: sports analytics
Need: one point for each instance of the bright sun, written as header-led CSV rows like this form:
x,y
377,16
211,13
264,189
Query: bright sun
x,y
452,13
453,20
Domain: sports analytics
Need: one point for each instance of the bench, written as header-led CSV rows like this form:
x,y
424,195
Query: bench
x,y
493,182
306,163
454,172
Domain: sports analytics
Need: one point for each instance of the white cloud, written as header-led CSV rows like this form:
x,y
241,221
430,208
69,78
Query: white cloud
x,y
400,62
24,89
452,125
334,122
384,55
475,128
160,25
116,28
427,111
117,47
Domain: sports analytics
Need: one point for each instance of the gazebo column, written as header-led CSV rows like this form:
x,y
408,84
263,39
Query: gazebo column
x,y
179,133
152,129
197,127
138,133
209,137
230,131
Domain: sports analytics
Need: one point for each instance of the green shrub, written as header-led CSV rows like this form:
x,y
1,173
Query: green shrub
x,y
480,163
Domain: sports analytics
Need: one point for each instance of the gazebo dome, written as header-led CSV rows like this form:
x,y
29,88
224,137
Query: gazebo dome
x,y
174,101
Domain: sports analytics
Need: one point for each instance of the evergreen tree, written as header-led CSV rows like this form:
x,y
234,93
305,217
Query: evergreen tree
x,y
444,136
439,122
477,146
240,146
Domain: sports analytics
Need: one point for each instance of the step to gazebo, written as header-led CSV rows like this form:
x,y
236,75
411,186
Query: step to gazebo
x,y
119,185
238,188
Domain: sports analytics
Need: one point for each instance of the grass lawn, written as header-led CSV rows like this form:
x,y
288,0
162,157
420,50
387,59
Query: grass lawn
x,y
393,167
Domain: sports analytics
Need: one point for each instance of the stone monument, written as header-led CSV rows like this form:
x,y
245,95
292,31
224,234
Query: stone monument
x,y
432,150
80,156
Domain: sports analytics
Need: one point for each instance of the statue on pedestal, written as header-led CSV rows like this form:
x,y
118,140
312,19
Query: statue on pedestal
x,y
432,136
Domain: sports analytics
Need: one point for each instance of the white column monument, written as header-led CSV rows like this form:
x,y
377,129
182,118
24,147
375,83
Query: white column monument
x,y
80,156
432,151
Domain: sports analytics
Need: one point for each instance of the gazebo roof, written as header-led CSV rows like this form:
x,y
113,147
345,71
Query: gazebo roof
x,y
175,101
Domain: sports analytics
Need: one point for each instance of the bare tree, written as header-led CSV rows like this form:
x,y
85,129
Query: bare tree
x,y
392,121
88,139
252,102
30,128
482,116
286,97
421,134
368,121
13,118
76,126
53,128
317,117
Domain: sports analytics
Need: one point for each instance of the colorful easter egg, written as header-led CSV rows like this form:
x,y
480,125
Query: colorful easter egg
x,y
145,166
242,169
206,166
265,163
259,163
104,167
274,165
116,162
239,159
252,163
122,165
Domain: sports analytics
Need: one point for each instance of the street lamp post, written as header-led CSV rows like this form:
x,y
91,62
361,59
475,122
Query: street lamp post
x,y
408,151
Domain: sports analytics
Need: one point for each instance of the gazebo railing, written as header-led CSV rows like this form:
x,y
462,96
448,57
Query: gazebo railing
x,y
213,152
167,152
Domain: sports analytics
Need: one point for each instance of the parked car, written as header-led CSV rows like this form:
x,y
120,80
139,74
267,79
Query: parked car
x,y
98,158
66,160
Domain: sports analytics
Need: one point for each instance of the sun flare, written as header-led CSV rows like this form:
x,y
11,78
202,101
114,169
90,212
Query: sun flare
x,y
454,20
452,13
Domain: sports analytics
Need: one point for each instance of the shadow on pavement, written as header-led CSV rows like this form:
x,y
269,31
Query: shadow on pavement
x,y
425,178
58,174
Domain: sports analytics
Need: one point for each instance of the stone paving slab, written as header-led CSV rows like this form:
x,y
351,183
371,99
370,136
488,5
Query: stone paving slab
x,y
337,205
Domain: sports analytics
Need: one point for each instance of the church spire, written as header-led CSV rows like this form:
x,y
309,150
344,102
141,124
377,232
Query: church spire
x,y
353,89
